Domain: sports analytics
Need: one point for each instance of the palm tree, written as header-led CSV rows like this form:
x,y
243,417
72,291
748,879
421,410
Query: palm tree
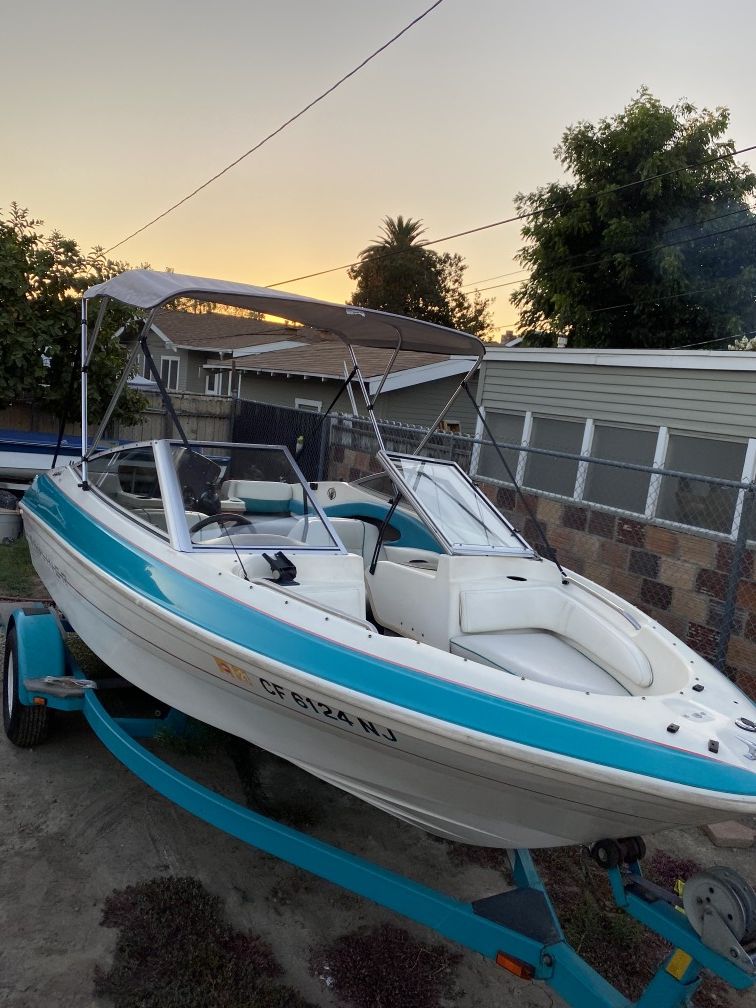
x,y
399,274
399,235
396,273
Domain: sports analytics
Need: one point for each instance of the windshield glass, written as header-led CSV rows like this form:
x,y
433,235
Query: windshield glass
x,y
453,505
249,496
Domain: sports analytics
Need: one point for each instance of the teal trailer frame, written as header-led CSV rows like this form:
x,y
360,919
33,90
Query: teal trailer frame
x,y
518,929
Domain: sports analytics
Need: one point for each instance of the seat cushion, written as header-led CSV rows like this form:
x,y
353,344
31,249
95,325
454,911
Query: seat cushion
x,y
538,655
259,496
553,610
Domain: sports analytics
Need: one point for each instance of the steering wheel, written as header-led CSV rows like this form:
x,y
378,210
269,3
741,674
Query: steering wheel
x,y
225,518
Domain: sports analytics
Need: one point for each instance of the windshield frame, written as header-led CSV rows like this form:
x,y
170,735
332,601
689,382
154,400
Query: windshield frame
x,y
178,534
454,549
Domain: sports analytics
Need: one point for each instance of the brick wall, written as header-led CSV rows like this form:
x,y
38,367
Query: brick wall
x,y
678,578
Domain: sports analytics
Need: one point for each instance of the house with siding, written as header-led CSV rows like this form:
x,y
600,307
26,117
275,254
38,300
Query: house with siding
x,y
688,411
188,348
308,377
286,365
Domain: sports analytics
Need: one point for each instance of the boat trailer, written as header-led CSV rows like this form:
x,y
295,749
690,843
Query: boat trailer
x,y
712,927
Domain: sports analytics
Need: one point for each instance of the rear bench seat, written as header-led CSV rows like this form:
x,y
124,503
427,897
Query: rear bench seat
x,y
268,503
543,634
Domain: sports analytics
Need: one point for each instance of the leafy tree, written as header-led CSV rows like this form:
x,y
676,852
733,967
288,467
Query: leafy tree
x,y
41,280
398,274
617,268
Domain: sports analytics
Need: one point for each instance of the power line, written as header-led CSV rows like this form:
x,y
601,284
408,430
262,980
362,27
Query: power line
x,y
719,339
666,297
280,129
578,255
629,255
498,276
587,197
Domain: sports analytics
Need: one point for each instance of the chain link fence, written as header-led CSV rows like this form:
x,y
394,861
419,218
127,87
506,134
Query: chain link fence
x,y
680,545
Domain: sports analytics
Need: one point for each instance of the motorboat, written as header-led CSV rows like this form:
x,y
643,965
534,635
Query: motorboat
x,y
396,636
23,454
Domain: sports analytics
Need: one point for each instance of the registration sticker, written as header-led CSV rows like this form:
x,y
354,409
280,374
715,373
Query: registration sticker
x,y
232,670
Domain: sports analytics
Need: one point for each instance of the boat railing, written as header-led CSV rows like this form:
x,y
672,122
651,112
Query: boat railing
x,y
591,590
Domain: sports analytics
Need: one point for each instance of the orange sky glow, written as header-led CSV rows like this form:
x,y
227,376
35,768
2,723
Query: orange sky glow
x,y
117,111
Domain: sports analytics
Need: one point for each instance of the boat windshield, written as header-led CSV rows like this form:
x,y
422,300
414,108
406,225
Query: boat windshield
x,y
452,505
247,496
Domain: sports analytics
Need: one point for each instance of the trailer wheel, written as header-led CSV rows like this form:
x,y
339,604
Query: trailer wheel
x,y
606,853
25,726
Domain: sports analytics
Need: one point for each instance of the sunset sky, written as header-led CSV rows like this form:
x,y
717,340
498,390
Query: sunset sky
x,y
112,111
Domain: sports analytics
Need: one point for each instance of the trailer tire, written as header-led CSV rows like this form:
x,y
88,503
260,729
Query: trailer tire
x,y
25,726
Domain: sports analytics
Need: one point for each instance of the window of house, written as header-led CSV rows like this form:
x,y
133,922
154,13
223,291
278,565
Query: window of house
x,y
545,472
169,372
308,405
626,489
690,501
507,429
213,382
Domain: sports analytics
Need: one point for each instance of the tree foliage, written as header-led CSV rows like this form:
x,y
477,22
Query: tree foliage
x,y
643,265
41,281
398,274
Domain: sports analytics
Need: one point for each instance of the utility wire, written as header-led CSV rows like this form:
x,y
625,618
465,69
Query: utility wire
x,y
628,255
280,129
587,197
719,339
578,255
666,297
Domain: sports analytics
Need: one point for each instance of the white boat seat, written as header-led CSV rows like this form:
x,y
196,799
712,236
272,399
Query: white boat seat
x,y
156,516
537,655
357,536
539,607
265,524
259,496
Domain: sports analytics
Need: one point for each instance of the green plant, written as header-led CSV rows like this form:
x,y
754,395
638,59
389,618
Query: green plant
x,y
175,950
616,945
18,579
385,965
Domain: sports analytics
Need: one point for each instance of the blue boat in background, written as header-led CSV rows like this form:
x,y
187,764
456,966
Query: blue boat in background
x,y
23,455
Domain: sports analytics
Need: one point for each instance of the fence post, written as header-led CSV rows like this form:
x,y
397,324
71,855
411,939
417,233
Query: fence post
x,y
325,443
736,571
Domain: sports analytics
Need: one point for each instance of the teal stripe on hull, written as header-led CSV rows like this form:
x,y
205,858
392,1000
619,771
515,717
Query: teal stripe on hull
x,y
202,606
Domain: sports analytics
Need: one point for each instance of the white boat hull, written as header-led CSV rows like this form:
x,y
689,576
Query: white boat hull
x,y
450,781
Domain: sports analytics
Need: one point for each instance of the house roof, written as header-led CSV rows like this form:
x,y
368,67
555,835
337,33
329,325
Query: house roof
x,y
214,332
695,360
327,358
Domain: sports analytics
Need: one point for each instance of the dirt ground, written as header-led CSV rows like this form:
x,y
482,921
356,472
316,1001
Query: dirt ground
x,y
75,824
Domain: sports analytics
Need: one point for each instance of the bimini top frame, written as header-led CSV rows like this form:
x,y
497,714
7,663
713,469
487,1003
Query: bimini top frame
x,y
356,327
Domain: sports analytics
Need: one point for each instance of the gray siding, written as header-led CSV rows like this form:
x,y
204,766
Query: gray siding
x,y
715,402
418,405
281,391
421,404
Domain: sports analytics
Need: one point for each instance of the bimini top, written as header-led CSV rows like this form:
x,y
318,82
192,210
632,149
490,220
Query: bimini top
x,y
149,289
